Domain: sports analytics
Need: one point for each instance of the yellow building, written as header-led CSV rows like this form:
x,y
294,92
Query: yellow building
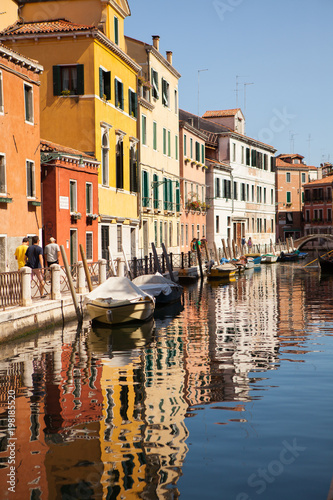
x,y
8,13
89,99
158,120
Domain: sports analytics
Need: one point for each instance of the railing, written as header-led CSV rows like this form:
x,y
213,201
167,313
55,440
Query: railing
x,y
10,289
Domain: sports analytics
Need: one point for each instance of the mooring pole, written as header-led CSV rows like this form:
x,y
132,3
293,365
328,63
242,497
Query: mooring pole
x,y
71,285
85,267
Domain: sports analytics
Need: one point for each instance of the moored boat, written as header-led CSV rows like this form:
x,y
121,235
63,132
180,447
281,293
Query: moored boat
x,y
118,300
225,270
269,258
326,264
164,290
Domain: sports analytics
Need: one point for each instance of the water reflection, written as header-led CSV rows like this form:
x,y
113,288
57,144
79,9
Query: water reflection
x,y
104,413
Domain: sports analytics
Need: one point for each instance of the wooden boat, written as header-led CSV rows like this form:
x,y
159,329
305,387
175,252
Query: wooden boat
x,y
119,300
326,264
291,256
221,271
164,290
269,258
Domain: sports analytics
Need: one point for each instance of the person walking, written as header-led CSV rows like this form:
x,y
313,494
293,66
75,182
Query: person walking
x,y
249,244
20,252
52,252
34,259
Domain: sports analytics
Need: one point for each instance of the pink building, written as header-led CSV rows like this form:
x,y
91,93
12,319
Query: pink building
x,y
192,183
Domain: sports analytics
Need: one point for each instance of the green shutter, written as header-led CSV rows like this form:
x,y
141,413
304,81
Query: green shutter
x,y
177,200
202,153
155,136
122,95
107,85
101,83
135,104
80,79
116,30
169,143
56,80
116,92
164,142
130,109
165,193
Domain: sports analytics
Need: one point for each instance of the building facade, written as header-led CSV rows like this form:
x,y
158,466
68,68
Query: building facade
x,y
20,196
158,123
68,215
192,185
318,204
89,100
291,176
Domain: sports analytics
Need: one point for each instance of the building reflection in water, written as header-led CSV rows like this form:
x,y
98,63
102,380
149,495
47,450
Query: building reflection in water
x,y
102,414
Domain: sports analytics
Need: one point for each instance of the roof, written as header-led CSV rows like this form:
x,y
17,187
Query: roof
x,y
18,58
325,180
220,113
56,26
281,163
50,147
293,155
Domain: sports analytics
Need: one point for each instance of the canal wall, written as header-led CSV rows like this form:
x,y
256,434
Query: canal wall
x,y
17,322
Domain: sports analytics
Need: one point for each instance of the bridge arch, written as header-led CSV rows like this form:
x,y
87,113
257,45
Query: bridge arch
x,y
298,244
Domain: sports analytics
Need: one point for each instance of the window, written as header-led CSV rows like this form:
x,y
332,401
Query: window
x,y
73,196
272,225
161,233
176,147
217,188
272,196
242,157
303,177
154,82
177,199
104,84
235,190
155,136
288,196
155,191
202,153
233,152
288,177
3,186
120,164
217,224
165,93
329,215
144,130
252,193
68,80
176,101
182,235
89,198
105,159
197,151
116,30
164,141
169,143
119,238
155,233
264,196
28,103
145,189
243,192
1,94
186,234
307,215
31,185
132,103
89,246
289,217
119,94
191,148
133,169
185,145
265,162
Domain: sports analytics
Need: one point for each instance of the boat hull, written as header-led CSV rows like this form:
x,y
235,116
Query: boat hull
x,y
268,259
326,265
221,272
118,312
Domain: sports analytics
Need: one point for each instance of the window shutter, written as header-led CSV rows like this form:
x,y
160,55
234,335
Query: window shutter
x,y
80,79
122,95
177,200
56,80
107,85
101,86
116,92
130,108
135,104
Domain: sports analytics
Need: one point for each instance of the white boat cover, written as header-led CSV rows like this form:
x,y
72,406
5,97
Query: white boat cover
x,y
116,289
154,284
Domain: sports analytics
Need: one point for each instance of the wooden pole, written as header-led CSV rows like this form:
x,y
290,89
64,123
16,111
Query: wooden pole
x,y
234,249
85,266
288,247
112,262
215,253
224,248
199,259
71,285
126,262
206,249
156,261
167,262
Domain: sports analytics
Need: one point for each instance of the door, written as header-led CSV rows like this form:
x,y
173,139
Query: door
x,y
105,237
133,243
145,238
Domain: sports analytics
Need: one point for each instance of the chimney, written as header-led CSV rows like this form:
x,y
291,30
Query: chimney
x,y
156,42
169,56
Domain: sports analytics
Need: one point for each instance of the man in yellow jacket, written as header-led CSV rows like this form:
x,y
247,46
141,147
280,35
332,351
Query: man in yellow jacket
x,y
20,252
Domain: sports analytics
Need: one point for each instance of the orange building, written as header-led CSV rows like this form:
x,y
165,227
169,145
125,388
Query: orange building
x,y
70,199
192,183
20,197
291,175
318,204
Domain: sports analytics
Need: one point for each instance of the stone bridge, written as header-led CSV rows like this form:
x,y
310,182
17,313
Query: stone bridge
x,y
298,244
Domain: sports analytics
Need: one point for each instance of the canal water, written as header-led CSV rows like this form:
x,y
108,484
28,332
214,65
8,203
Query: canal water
x,y
225,396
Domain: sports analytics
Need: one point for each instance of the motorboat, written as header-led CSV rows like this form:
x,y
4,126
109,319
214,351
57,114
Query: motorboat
x,y
291,256
163,289
268,258
225,270
118,300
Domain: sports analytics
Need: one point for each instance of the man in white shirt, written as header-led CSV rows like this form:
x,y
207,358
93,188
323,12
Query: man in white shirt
x,y
52,252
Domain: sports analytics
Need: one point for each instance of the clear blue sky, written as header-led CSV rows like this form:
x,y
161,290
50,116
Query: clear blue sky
x,y
283,47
